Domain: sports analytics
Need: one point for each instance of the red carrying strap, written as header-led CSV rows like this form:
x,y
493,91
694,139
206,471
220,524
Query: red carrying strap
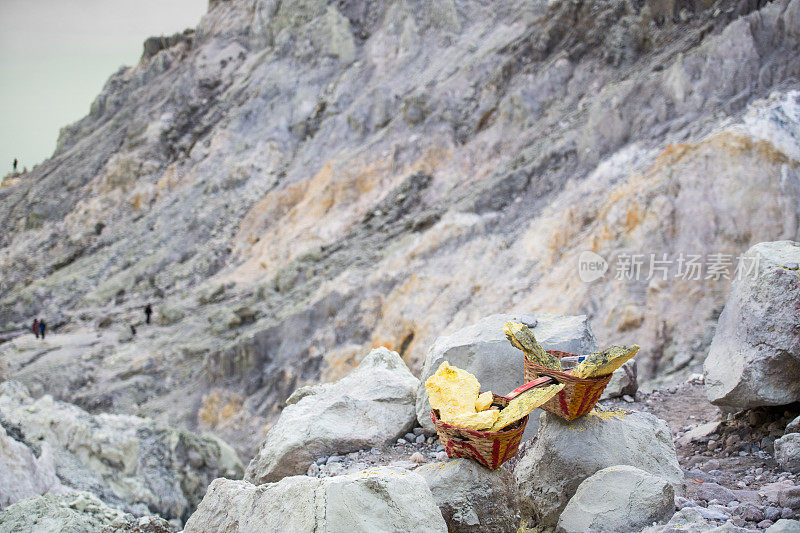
x,y
540,382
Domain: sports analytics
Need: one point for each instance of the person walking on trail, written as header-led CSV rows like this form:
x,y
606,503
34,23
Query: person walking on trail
x,y
35,327
42,327
148,310
15,164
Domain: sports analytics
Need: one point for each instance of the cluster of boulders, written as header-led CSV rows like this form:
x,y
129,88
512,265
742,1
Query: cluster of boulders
x,y
367,441
49,447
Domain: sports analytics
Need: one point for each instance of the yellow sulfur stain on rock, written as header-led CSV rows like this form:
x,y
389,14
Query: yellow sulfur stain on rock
x,y
608,415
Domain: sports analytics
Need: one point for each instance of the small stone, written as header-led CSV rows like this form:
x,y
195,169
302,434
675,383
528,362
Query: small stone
x,y
418,431
772,513
764,524
628,398
750,512
420,439
738,521
401,442
417,458
440,448
442,456
409,437
431,440
313,470
681,502
786,512
322,460
334,459
712,445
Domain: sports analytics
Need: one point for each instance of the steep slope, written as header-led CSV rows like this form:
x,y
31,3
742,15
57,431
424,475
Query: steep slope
x,y
297,181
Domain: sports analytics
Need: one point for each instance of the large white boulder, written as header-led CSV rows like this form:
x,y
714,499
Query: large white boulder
x,y
381,499
618,498
754,358
787,452
483,350
372,406
472,498
565,453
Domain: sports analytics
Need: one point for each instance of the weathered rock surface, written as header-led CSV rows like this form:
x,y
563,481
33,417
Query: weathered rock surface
x,y
483,350
618,498
623,382
23,472
787,452
754,359
127,461
382,499
74,512
564,454
372,406
473,498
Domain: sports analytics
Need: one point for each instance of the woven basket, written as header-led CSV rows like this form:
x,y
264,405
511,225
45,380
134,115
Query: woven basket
x,y
578,396
489,448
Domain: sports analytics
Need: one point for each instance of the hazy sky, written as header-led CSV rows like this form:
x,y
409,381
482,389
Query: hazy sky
x,y
55,56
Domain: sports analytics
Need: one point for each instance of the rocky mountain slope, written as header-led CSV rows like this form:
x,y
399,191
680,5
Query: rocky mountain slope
x,y
297,181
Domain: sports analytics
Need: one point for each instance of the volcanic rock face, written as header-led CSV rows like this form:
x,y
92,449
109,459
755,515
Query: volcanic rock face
x,y
300,182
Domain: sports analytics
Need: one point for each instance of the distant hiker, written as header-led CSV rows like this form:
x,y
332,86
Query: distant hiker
x,y
148,310
15,164
35,327
42,327
133,330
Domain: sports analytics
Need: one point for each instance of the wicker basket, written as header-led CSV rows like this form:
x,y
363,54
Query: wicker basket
x,y
578,396
491,449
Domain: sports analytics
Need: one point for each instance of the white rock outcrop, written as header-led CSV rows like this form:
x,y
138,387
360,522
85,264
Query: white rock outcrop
x,y
754,359
381,499
483,350
618,498
787,452
472,498
129,462
565,453
372,406
24,474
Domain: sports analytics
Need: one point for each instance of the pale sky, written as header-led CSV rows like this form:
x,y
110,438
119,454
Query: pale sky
x,y
55,56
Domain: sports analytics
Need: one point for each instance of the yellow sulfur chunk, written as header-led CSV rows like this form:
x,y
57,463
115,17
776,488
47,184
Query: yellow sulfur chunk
x,y
521,337
484,401
452,390
523,405
604,363
476,421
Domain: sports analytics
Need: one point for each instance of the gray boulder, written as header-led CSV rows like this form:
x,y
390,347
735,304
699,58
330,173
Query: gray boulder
x,y
74,512
381,499
482,349
371,406
565,453
618,498
129,462
754,358
793,426
787,452
784,526
24,473
623,381
473,498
